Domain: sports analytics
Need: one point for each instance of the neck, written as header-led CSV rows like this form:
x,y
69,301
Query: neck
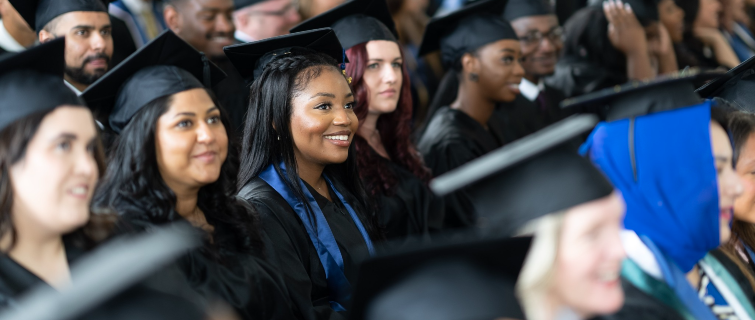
x,y
693,277
555,309
475,105
23,36
43,255
532,78
368,131
311,173
77,85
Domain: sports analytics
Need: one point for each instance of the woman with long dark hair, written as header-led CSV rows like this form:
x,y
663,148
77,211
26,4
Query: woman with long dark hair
x,y
742,128
173,161
389,164
703,44
299,166
483,51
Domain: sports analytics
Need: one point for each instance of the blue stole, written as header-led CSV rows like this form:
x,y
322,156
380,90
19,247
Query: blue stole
x,y
319,233
677,281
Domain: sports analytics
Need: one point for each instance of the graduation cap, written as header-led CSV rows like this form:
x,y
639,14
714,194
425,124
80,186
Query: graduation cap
x,y
516,9
38,13
251,58
32,81
355,22
736,86
465,30
107,271
537,175
165,66
470,280
240,4
646,11
638,98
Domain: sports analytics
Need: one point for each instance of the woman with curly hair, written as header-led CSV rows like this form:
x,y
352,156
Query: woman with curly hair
x,y
389,164
298,166
173,161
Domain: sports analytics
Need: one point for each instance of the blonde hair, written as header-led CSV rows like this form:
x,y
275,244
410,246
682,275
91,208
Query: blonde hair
x,y
536,278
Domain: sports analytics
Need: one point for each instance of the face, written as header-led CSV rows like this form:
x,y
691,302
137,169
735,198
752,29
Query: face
x,y
672,18
54,182
205,24
499,71
190,141
589,258
729,184
323,122
383,76
268,19
707,15
744,207
89,44
541,39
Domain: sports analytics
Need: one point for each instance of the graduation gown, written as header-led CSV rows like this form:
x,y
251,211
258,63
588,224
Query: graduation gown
x,y
123,42
412,209
245,281
575,76
639,305
233,94
297,258
451,139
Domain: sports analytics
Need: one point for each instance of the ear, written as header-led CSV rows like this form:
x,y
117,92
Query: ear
x,y
470,64
172,18
45,36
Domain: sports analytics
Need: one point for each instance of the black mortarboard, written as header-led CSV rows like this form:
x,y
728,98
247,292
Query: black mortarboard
x,y
251,58
516,9
638,98
355,22
165,66
646,11
466,30
240,4
462,281
109,270
531,177
737,86
38,13
32,81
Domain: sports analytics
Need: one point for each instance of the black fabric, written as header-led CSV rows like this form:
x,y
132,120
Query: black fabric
x,y
123,41
240,4
355,22
576,76
690,8
737,86
737,273
246,281
466,30
459,280
165,66
296,257
250,59
38,13
233,95
412,211
639,305
24,75
452,139
523,117
516,9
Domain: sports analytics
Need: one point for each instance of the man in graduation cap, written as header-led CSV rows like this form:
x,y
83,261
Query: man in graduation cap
x,y
86,26
207,25
15,34
262,19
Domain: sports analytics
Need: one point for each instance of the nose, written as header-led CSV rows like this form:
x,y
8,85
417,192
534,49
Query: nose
x,y
547,45
390,74
86,165
518,70
98,42
342,118
205,134
224,24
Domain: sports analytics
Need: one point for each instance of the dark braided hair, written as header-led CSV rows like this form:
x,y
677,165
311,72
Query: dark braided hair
x,y
134,187
269,118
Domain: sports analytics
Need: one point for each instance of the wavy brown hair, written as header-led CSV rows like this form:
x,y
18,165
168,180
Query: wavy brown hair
x,y
395,130
14,140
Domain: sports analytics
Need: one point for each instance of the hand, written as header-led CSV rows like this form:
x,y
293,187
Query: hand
x,y
709,36
624,30
663,46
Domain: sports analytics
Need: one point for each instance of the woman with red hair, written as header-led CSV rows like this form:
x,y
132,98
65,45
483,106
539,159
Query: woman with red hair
x,y
389,164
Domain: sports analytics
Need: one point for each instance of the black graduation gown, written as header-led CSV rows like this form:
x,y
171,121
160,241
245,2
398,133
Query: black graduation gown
x,y
522,117
123,42
233,95
2,51
412,209
451,139
297,258
737,274
245,281
639,305
137,302
575,76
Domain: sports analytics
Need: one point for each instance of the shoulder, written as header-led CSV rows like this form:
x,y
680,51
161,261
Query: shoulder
x,y
638,305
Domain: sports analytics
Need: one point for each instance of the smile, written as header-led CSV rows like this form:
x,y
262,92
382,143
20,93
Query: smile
x,y
339,137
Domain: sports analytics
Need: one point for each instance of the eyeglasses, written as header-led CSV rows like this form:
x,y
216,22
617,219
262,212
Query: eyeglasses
x,y
535,38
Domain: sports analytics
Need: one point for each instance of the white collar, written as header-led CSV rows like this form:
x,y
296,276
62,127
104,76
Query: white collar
x,y
640,254
76,91
7,41
243,36
530,90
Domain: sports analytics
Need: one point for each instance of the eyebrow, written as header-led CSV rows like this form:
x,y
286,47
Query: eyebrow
x,y
508,50
380,60
66,135
323,94
192,114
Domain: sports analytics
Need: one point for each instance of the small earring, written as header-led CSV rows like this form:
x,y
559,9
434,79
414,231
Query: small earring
x,y
474,77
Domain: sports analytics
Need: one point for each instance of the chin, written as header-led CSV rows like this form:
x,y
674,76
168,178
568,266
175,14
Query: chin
x,y
604,304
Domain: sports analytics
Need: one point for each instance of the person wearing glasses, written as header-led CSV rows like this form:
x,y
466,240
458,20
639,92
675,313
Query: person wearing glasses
x,y
262,19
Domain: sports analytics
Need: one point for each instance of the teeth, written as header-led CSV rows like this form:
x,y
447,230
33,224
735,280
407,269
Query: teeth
x,y
608,276
342,138
79,191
